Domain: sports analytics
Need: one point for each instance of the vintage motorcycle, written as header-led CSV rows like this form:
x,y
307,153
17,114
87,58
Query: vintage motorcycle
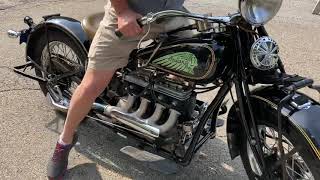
x,y
274,128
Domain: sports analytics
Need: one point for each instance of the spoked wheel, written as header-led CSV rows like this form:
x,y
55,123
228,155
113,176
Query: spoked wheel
x,y
296,167
64,63
301,165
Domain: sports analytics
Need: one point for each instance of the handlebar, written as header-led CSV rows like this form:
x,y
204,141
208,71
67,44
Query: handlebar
x,y
152,17
300,84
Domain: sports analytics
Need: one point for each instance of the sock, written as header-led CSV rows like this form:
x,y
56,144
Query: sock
x,y
60,141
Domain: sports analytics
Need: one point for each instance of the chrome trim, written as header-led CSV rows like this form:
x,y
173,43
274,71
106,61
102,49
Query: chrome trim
x,y
264,53
62,105
259,12
149,125
13,34
142,108
118,126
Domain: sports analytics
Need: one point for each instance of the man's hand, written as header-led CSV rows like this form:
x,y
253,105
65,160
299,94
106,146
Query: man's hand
x,y
127,23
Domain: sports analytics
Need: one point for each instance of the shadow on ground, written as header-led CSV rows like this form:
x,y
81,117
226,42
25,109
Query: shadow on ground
x,y
102,146
83,172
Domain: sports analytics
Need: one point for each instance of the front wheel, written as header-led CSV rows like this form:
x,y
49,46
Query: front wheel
x,y
301,165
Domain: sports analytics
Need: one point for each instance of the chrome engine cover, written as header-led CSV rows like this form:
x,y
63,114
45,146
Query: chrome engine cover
x,y
264,53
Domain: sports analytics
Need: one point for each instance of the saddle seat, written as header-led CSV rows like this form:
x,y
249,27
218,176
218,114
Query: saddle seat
x,y
91,23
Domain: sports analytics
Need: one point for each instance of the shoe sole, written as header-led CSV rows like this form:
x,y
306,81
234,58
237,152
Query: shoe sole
x,y
59,177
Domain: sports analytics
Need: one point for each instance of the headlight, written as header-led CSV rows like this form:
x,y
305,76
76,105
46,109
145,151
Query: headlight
x,y
259,12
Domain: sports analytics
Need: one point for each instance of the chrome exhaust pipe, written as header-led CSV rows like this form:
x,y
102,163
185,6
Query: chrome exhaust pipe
x,y
142,125
142,108
149,125
126,104
169,124
156,115
62,105
135,123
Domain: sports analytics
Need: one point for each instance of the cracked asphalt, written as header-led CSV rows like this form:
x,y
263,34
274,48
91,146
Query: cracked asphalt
x,y
29,126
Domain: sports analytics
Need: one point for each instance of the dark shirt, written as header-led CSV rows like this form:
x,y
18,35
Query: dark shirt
x,y
145,6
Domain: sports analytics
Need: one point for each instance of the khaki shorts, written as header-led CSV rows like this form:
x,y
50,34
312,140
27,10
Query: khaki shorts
x,y
108,52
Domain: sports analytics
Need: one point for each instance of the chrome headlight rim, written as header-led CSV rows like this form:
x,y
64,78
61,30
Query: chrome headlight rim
x,y
249,16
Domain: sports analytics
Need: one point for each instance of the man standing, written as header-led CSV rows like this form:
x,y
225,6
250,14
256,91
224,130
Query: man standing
x,y
107,54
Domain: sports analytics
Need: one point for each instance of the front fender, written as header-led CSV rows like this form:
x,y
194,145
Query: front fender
x,y
71,27
306,120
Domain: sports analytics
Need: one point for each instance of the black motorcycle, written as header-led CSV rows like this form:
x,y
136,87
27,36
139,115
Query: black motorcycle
x,y
274,128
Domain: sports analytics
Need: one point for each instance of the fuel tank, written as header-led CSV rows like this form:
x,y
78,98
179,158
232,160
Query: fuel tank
x,y
191,60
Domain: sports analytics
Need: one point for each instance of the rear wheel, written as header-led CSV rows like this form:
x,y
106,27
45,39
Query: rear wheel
x,y
301,165
60,56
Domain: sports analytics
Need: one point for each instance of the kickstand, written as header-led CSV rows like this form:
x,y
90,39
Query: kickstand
x,y
22,71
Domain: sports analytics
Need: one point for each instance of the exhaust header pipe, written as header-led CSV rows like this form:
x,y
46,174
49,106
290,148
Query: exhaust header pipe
x,y
122,113
134,119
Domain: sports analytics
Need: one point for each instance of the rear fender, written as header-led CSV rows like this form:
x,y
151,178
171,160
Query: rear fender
x,y
71,27
306,120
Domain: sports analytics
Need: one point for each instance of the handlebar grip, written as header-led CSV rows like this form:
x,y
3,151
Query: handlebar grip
x,y
119,33
300,84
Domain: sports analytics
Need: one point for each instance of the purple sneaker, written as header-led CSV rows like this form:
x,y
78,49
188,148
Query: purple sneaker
x,y
58,164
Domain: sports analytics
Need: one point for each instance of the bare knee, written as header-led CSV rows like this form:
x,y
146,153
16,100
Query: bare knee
x,y
93,83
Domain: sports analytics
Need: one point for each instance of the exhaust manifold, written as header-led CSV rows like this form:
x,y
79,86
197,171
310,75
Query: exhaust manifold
x,y
122,113
149,126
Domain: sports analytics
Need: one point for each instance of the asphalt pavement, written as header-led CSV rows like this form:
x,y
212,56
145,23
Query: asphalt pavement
x,y
29,126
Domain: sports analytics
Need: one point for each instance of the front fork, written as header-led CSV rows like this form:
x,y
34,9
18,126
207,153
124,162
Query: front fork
x,y
245,113
243,94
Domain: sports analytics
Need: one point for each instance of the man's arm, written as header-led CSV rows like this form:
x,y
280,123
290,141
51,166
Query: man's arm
x,y
120,5
127,19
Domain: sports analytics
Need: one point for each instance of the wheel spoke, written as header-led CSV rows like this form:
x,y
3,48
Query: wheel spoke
x,y
296,168
293,171
64,55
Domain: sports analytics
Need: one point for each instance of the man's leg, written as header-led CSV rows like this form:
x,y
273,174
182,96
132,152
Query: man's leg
x,y
107,53
92,85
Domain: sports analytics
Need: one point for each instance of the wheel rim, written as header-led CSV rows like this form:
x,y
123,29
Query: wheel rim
x,y
65,58
296,167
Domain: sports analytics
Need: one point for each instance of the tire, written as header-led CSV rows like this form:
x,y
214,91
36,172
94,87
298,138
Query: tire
x,y
267,117
40,47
